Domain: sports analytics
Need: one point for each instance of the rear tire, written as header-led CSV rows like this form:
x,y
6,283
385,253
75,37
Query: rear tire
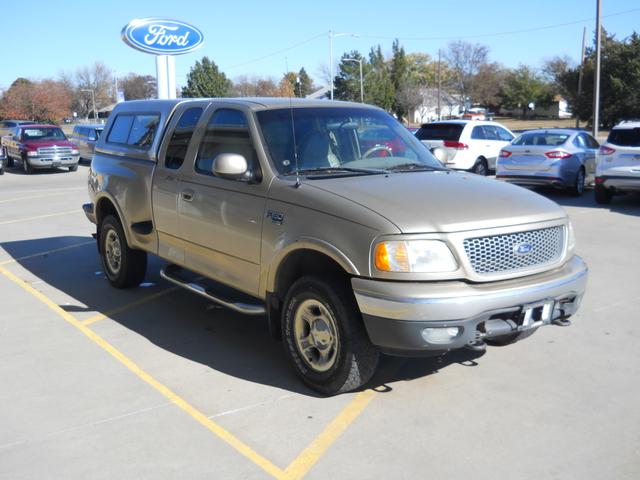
x,y
480,167
324,336
124,267
578,185
603,195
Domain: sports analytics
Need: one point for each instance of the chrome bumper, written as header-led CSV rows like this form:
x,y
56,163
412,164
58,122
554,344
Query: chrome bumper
x,y
395,313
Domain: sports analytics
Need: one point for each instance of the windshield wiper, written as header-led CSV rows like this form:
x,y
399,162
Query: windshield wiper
x,y
414,167
317,172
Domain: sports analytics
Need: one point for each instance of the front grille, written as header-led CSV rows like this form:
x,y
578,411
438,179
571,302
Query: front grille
x,y
51,151
498,254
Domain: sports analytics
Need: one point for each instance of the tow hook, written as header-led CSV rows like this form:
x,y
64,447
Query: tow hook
x,y
562,322
476,345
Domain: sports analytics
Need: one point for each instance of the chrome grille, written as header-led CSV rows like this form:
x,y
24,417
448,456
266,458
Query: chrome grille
x,y
507,253
50,151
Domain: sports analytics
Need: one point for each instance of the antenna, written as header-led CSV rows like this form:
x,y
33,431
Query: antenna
x,y
293,131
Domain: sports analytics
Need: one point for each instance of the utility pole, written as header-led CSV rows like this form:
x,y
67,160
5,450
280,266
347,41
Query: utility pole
x,y
584,41
596,83
439,86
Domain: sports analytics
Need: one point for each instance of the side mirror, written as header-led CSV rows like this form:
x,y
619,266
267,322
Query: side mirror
x,y
231,165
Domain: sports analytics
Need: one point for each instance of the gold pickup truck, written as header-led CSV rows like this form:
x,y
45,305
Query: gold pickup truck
x,y
334,223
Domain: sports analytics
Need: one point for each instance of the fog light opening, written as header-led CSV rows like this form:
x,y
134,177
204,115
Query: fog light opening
x,y
441,335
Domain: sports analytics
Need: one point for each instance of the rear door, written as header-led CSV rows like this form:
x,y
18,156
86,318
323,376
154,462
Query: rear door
x,y
175,158
220,218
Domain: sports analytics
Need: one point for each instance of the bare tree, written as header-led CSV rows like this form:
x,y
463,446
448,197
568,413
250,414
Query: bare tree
x,y
465,61
137,86
98,78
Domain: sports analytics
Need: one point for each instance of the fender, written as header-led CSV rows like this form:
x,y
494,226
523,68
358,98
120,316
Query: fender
x,y
102,194
308,243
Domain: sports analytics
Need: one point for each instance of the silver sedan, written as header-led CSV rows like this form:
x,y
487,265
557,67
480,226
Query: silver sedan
x,y
561,158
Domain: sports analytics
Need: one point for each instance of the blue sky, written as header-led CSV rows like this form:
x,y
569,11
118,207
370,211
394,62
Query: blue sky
x,y
261,37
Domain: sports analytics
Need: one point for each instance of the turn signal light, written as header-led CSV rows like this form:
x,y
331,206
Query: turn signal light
x,y
604,150
456,145
557,154
505,154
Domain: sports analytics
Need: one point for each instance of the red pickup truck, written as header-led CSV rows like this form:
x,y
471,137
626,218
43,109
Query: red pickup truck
x,y
40,146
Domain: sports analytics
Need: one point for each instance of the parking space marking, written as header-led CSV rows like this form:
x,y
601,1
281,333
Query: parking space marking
x,y
185,406
41,254
316,449
128,306
32,197
28,219
297,469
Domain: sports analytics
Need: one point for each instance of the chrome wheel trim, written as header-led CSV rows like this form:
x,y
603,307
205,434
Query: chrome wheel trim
x,y
113,252
316,335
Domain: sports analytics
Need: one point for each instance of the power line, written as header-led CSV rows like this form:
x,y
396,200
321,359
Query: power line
x,y
511,32
304,42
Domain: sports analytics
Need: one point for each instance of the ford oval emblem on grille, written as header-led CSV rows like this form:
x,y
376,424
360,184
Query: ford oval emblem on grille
x,y
522,248
162,36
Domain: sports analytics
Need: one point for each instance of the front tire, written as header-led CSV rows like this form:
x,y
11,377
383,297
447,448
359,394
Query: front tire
x,y
73,168
324,337
124,267
28,169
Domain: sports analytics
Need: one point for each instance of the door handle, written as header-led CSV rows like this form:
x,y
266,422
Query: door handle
x,y
187,195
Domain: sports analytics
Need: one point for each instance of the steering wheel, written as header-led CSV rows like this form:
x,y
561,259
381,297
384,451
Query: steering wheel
x,y
376,149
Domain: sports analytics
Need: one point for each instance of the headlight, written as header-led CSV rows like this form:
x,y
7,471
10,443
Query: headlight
x,y
571,237
32,153
420,256
75,151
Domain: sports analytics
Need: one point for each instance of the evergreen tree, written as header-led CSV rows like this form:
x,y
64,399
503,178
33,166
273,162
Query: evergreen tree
x,y
378,87
305,83
347,82
399,77
205,80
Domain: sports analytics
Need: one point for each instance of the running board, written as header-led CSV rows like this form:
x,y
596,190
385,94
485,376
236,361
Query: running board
x,y
171,273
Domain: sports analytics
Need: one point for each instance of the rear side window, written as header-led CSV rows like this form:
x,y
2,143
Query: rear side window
x,y
625,137
134,130
179,143
478,133
440,131
541,138
503,134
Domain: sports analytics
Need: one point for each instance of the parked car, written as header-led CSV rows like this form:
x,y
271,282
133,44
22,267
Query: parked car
x,y
7,126
618,162
3,160
561,158
41,146
273,208
471,145
85,137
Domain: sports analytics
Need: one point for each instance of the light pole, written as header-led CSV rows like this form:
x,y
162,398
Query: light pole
x,y
596,83
361,82
93,100
331,36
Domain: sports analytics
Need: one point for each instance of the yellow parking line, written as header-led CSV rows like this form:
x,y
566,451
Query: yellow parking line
x,y
307,459
185,406
115,311
40,254
18,220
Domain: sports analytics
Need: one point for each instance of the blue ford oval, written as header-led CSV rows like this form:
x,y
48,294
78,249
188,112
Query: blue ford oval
x,y
162,36
523,248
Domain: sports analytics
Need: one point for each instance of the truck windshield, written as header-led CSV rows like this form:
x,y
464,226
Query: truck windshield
x,y
39,133
335,140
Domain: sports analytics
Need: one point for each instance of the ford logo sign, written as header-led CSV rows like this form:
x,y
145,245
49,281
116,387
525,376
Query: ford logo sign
x,y
523,248
162,36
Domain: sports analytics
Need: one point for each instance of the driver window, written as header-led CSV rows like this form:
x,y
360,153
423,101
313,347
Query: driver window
x,y
227,132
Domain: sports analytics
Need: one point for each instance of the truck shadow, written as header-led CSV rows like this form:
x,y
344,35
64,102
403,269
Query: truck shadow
x,y
175,320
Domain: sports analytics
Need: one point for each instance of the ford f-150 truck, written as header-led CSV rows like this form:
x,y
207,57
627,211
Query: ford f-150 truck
x,y
40,146
349,247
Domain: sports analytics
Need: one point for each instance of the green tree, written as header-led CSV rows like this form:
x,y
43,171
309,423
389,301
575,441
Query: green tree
x,y
399,73
378,87
347,81
205,80
619,81
524,86
305,83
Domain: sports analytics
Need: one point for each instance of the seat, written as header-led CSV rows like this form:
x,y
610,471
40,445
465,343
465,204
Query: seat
x,y
314,151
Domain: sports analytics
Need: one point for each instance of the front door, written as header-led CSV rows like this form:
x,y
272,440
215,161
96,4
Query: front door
x,y
168,178
221,219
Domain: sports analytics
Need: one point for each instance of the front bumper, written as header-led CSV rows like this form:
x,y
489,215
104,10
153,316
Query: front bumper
x,y
396,313
52,162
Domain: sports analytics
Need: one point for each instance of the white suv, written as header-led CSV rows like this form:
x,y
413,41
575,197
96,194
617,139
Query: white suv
x,y
471,145
618,162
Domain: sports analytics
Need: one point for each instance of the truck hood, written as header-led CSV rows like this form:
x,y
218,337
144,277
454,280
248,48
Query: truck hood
x,y
425,202
35,144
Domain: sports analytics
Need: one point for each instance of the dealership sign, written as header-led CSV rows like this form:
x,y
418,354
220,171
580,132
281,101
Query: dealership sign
x,y
161,36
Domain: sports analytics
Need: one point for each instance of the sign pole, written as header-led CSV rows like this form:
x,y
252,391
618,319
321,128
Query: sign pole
x,y
171,76
161,76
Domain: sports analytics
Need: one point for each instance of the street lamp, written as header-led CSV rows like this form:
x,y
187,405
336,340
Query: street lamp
x,y
93,100
331,36
361,82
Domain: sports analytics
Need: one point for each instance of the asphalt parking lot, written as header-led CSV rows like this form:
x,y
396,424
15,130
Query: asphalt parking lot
x,y
156,382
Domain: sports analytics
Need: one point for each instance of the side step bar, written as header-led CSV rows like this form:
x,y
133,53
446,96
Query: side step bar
x,y
171,273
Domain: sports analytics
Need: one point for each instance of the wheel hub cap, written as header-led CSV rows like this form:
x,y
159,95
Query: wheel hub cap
x,y
113,252
315,333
